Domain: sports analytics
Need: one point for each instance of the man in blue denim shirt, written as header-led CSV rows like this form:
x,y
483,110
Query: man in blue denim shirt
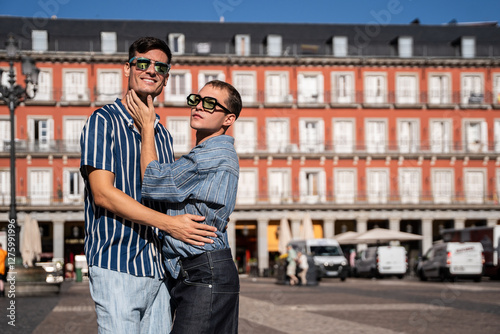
x,y
205,293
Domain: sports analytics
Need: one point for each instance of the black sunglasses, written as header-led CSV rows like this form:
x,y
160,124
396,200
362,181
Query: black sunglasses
x,y
143,64
209,103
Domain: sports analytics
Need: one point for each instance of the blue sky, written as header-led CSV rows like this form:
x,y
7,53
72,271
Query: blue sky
x,y
312,11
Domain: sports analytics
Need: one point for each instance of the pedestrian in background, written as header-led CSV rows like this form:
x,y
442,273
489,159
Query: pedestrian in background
x,y
291,268
303,267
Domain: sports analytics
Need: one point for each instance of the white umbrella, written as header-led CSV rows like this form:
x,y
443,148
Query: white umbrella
x,y
347,238
307,231
384,235
285,235
31,243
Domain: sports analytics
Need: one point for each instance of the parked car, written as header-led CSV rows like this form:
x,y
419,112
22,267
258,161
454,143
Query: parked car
x,y
327,256
381,261
452,260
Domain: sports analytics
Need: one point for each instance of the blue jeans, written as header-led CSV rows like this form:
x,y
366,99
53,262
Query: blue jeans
x,y
205,297
129,304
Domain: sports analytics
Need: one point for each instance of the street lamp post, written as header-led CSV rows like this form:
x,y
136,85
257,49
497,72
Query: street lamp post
x,y
13,94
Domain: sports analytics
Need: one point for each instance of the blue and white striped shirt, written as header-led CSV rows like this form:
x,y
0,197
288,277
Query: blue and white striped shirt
x,y
203,182
110,141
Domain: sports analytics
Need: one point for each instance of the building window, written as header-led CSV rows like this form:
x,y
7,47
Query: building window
x,y
376,136
75,85
476,136
344,185
6,76
108,42
377,186
312,135
176,43
439,89
246,85
279,186
339,46
310,88
406,89
409,185
408,136
405,47
4,133
498,184
40,186
440,136
242,45
472,89
343,136
475,185
468,47
245,135
178,86
40,132
343,87
277,134
109,85
72,131
375,88
39,40
442,185
496,89
181,132
73,186
204,77
277,88
44,88
274,45
312,186
247,186
496,132
4,187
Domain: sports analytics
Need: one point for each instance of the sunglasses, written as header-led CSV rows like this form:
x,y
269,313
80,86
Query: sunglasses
x,y
209,103
143,64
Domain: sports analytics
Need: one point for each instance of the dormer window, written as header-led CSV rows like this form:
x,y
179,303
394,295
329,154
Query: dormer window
x,y
468,47
339,46
39,40
176,42
108,42
274,45
405,46
242,45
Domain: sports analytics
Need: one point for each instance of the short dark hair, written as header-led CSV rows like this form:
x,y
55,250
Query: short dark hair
x,y
233,101
145,44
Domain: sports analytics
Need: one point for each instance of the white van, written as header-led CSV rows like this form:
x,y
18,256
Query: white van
x,y
452,260
379,261
327,255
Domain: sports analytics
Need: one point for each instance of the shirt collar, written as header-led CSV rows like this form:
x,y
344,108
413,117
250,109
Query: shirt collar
x,y
122,111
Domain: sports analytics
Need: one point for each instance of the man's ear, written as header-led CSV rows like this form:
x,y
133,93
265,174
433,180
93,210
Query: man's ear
x,y
126,69
229,120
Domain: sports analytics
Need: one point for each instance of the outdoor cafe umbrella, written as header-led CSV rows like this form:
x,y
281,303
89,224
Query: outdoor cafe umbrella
x,y
347,238
285,235
307,231
382,235
31,243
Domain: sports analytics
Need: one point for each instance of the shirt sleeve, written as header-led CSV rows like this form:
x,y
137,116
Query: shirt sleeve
x,y
97,144
173,182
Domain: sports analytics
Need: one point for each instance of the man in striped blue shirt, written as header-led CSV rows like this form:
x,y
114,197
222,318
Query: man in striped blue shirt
x,y
205,293
122,236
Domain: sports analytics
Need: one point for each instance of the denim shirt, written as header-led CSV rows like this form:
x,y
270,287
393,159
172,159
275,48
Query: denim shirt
x,y
203,182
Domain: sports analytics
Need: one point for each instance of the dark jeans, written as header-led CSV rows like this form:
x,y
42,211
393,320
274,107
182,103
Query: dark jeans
x,y
205,296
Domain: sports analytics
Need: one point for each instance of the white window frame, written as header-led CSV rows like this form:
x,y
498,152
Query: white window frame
x,y
405,46
39,40
108,42
278,142
496,129
73,126
206,76
180,129
408,141
378,94
72,93
405,94
468,46
374,142
377,196
440,195
306,186
344,195
177,43
274,45
6,76
283,195
109,90
174,92
69,197
312,141
497,179
248,92
496,88
343,87
444,144
44,87
5,186
248,192
308,94
4,131
340,46
344,140
245,142
441,94
475,145
472,195
44,140
40,193
472,91
410,193
280,94
242,45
